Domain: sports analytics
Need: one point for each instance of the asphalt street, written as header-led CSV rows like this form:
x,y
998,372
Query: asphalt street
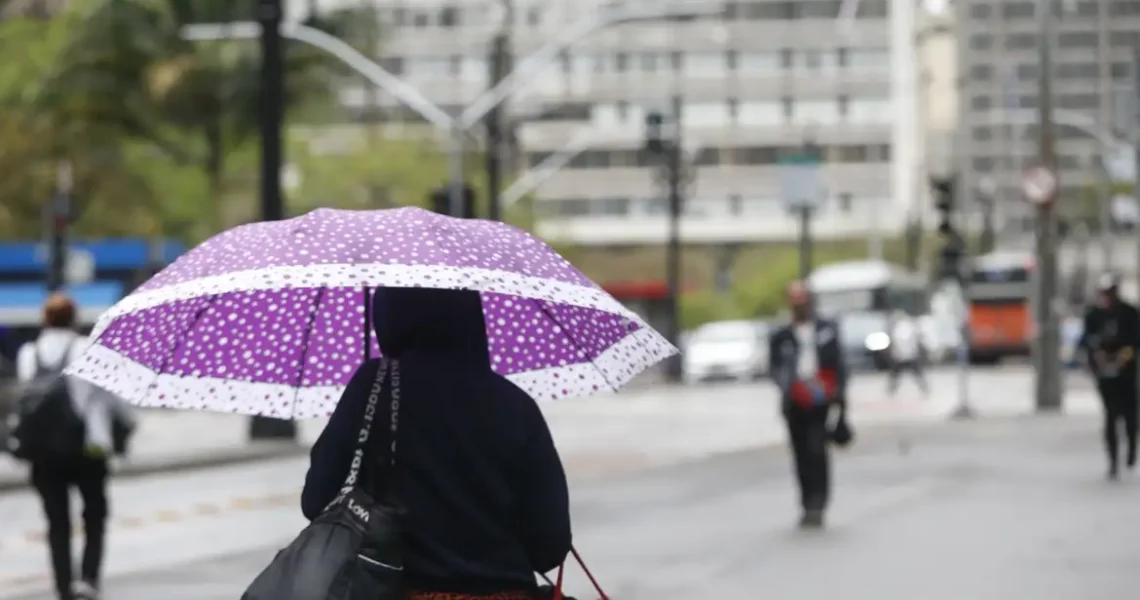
x,y
991,510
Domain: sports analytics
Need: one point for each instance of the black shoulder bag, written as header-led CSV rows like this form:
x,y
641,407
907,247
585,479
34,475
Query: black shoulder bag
x,y
354,549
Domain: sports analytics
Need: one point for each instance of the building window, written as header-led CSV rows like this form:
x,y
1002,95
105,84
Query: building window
x,y
983,41
1077,71
621,62
449,17
650,62
705,114
1078,101
703,64
758,63
735,205
675,61
843,107
981,10
1077,39
733,110
732,11
873,9
788,108
981,72
787,58
841,57
816,112
1021,41
731,58
983,134
844,202
818,9
760,113
811,59
1018,10
871,111
981,103
869,59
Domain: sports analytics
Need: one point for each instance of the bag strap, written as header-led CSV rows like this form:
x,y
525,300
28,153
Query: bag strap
x,y
41,370
561,571
359,459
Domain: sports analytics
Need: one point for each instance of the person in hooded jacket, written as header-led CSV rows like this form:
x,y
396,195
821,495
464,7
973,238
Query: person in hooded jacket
x,y
485,492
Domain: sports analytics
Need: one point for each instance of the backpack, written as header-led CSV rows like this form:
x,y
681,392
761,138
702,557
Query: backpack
x,y
46,424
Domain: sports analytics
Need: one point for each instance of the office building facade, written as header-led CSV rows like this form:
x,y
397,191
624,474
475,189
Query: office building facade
x,y
1092,81
756,82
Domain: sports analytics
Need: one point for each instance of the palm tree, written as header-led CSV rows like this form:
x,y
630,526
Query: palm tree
x,y
129,68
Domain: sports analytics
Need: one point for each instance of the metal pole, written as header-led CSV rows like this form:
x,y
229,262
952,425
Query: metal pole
x,y
272,205
59,217
1048,392
455,159
805,241
543,171
1104,216
499,65
674,166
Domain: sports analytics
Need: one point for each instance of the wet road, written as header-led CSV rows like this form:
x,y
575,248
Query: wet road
x,y
994,510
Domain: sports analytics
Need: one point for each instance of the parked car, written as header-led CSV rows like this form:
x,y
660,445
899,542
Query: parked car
x,y
865,340
726,350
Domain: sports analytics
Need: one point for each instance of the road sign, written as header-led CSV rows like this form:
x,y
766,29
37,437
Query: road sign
x,y
1039,185
800,182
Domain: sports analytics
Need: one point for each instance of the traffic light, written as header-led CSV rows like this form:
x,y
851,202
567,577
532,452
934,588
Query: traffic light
x,y
441,202
944,203
954,246
654,133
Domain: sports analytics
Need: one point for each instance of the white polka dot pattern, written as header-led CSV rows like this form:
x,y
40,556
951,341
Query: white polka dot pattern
x,y
288,343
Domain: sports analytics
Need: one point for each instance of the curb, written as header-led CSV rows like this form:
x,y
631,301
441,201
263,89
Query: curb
x,y
254,452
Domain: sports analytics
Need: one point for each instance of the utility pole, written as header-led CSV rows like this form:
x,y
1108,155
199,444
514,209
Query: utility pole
x,y
1048,384
663,140
500,64
805,241
951,277
59,217
269,16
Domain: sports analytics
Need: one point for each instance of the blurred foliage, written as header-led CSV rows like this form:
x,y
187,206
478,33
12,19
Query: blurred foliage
x,y
160,131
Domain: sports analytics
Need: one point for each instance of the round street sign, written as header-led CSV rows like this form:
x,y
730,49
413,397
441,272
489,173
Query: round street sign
x,y
1039,184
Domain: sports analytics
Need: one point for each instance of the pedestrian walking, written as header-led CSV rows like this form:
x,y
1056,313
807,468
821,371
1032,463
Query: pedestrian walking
x,y
808,367
67,430
1110,340
484,489
905,352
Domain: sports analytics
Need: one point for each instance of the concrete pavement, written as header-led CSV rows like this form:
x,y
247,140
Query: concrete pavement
x,y
990,510
642,426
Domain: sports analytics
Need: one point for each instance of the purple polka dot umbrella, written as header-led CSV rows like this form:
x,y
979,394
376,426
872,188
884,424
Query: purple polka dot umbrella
x,y
268,318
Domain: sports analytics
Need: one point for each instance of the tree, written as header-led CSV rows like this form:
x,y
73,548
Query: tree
x,y
365,172
128,68
35,142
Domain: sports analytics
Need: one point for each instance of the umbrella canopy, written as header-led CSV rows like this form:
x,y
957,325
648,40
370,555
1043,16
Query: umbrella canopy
x,y
269,318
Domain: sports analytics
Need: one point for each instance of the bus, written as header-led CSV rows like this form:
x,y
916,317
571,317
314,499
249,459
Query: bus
x,y
867,286
999,300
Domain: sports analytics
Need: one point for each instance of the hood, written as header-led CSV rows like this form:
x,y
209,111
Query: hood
x,y
431,321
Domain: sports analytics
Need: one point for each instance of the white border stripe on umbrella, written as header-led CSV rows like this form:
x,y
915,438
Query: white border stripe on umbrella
x,y
371,276
140,385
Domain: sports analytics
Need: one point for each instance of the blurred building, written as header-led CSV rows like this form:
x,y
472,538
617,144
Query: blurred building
x,y
938,85
757,81
1092,83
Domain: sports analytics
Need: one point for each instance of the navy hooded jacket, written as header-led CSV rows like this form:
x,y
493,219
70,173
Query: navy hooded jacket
x,y
476,467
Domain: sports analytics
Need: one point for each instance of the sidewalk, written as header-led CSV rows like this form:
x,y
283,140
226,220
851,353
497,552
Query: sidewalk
x,y
643,426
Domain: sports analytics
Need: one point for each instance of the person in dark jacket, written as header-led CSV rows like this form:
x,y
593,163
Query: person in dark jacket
x,y
806,363
1110,339
476,467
